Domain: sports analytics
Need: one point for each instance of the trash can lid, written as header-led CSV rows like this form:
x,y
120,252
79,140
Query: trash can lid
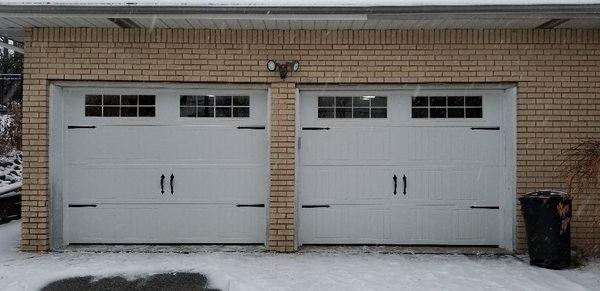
x,y
546,194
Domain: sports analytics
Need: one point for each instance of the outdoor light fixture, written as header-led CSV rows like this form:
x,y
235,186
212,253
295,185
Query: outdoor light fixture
x,y
283,68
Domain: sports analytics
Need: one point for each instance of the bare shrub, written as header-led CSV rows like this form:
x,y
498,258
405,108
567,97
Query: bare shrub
x,y
581,166
10,135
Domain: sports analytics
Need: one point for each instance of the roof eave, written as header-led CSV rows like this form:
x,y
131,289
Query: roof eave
x,y
573,9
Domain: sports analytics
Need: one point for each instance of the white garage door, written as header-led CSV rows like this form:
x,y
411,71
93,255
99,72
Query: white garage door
x,y
401,167
164,166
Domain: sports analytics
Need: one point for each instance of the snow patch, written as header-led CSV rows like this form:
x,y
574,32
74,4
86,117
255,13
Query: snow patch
x,y
11,164
10,171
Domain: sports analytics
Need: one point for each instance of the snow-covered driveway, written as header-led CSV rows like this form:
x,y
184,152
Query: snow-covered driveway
x,y
301,271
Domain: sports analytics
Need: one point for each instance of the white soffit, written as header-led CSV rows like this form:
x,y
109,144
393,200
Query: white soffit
x,y
295,3
16,15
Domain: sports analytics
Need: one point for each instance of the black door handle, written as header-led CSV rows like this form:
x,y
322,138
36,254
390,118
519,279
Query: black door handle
x,y
162,184
404,181
395,184
172,178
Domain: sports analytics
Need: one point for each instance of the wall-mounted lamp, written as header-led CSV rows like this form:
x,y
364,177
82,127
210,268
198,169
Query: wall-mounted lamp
x,y
283,68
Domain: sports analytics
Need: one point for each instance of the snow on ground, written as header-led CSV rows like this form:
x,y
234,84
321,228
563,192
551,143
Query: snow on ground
x,y
300,271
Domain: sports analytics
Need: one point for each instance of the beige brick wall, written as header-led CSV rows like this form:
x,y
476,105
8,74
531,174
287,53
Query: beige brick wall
x,y
557,72
283,141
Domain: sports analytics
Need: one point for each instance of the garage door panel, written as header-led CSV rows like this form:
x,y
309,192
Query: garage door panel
x,y
360,224
374,144
124,223
210,183
357,184
347,145
164,144
432,224
401,145
222,144
218,183
176,222
350,224
426,185
195,223
446,145
193,183
477,226
485,147
113,224
111,183
315,230
450,165
118,144
447,185
443,225
116,164
248,227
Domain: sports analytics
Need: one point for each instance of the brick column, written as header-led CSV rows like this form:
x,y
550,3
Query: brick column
x,y
34,193
283,142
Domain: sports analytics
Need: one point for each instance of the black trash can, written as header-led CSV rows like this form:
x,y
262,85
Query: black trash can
x,y
548,224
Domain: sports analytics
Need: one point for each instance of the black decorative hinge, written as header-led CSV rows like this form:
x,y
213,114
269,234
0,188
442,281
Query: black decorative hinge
x,y
250,205
485,207
251,127
315,128
486,128
81,205
316,206
80,126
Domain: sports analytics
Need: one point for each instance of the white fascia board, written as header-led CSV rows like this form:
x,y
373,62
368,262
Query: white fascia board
x,y
301,17
294,3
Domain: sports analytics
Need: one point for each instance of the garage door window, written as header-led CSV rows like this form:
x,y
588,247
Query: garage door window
x,y
120,105
214,106
447,107
352,107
